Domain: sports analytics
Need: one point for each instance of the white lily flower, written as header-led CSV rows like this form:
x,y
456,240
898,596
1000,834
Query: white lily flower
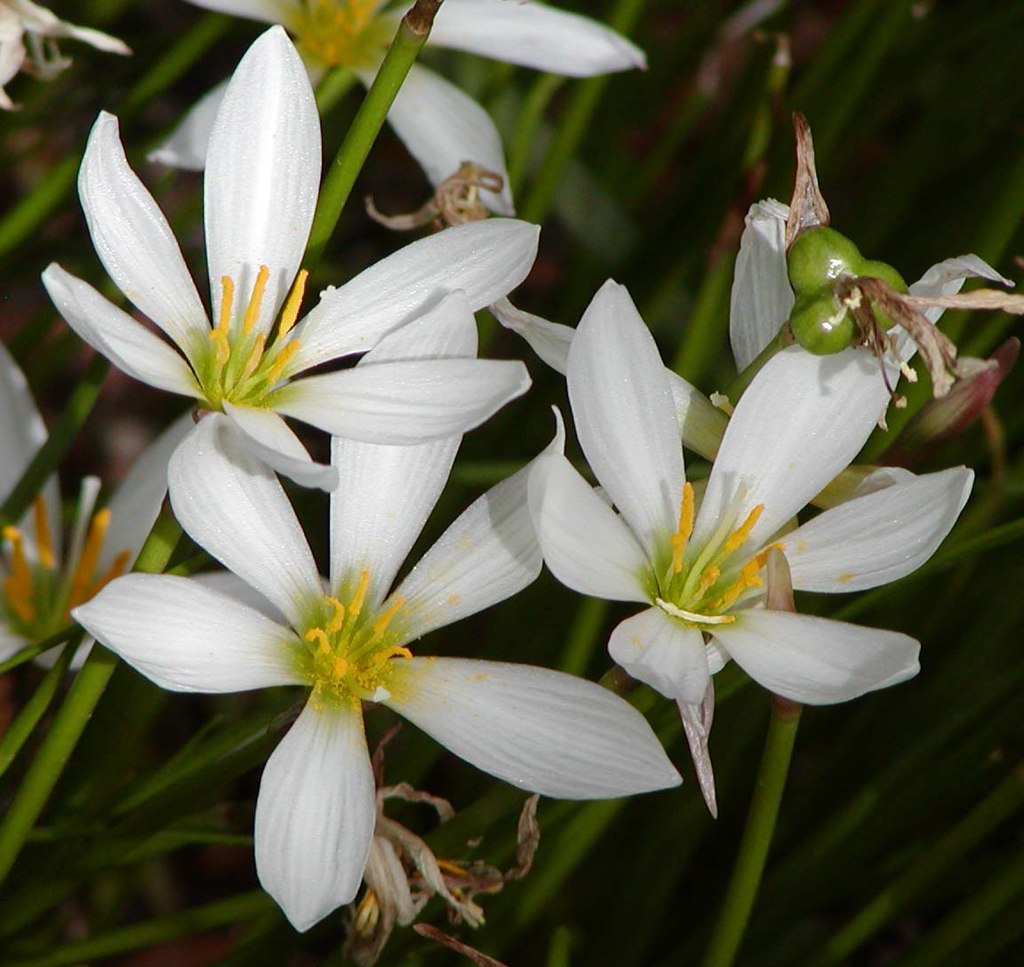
x,y
40,584
21,22
440,125
260,194
541,730
700,570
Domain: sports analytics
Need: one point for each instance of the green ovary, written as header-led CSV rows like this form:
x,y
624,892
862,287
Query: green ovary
x,y
343,33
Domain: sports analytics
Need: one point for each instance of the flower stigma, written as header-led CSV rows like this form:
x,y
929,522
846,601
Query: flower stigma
x,y
343,33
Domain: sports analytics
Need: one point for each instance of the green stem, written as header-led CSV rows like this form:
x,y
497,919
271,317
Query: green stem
x,y
333,86
411,36
757,835
34,651
74,714
524,137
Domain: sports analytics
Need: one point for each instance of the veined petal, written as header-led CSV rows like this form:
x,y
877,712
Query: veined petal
x,y
549,340
187,144
274,443
587,546
231,585
663,653
948,277
817,661
110,331
486,260
315,814
880,537
624,415
269,11
701,424
801,421
262,174
133,240
442,127
188,638
697,719
404,401
230,502
540,730
761,297
534,35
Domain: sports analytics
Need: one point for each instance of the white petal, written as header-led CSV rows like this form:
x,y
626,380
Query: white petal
x,y
315,814
231,585
230,502
133,240
188,638
405,401
486,260
541,730
663,653
801,421
814,660
269,11
442,127
624,415
761,297
110,331
701,424
549,340
270,439
947,278
11,643
877,538
587,546
489,553
534,35
697,718
187,144
262,174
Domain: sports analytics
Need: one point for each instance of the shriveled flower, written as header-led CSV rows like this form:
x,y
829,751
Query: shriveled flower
x,y
260,193
40,584
544,731
30,31
440,125
700,568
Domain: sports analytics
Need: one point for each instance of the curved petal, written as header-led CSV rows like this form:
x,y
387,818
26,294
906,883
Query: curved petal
x,y
486,260
587,546
188,638
534,35
625,418
880,537
814,660
230,502
187,144
315,814
663,653
11,643
801,421
549,340
761,297
126,343
697,719
701,424
133,240
262,175
404,401
269,11
232,586
948,277
540,730
442,127
270,439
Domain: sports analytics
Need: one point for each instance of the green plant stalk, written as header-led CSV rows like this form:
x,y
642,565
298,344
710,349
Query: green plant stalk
x,y
412,34
74,714
333,86
734,914
34,651
523,139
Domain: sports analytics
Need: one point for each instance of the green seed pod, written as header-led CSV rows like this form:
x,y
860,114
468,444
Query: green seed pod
x,y
883,271
821,324
818,256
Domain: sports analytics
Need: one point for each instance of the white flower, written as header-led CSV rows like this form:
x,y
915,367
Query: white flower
x,y
40,585
700,569
22,21
260,193
541,730
441,126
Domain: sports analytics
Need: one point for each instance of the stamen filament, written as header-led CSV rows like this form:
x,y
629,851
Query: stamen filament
x,y
19,585
739,536
356,604
284,355
684,530
255,355
252,310
44,539
291,306
381,624
82,577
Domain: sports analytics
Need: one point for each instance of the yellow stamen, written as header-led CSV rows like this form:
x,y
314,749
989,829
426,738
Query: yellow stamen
x,y
739,536
684,530
44,540
115,570
291,307
749,578
367,915
19,585
227,299
356,604
252,310
381,624
708,578
82,577
339,667
255,355
284,354
338,619
450,866
320,637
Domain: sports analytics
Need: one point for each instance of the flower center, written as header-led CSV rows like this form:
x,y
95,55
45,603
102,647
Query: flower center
x,y
37,599
343,33
700,588
352,650
237,364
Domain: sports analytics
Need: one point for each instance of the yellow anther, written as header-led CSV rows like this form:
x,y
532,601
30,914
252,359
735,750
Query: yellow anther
x,y
44,540
338,618
381,624
749,578
223,346
277,367
339,668
708,577
356,604
367,915
255,355
119,567
320,637
227,299
684,530
82,578
18,586
252,310
739,536
291,307
452,867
